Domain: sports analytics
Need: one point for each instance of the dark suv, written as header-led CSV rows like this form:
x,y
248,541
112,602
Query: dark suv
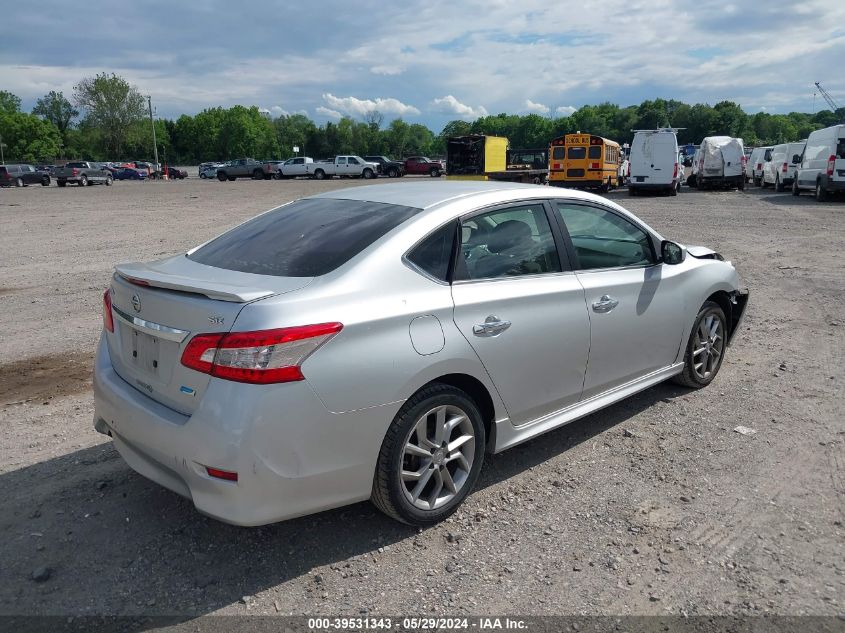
x,y
387,166
22,175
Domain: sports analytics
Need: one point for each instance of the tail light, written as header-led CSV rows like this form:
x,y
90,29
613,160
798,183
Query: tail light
x,y
218,473
261,357
759,165
831,163
784,167
675,172
108,317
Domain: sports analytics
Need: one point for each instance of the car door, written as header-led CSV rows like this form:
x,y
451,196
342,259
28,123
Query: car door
x,y
522,311
634,302
353,166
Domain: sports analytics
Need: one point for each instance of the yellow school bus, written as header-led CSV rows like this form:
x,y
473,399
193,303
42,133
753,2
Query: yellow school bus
x,y
584,161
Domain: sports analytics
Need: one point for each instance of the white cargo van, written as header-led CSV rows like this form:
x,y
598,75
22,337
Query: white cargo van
x,y
754,167
654,162
721,163
780,170
822,167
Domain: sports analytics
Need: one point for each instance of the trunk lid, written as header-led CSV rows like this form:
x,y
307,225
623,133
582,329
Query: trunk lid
x,y
158,307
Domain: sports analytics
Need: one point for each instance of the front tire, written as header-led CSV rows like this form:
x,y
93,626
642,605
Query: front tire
x,y
320,174
705,347
45,182
430,457
368,174
392,173
19,182
221,176
109,180
795,190
434,172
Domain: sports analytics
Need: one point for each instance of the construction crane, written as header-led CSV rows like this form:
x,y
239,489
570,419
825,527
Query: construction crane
x,y
833,105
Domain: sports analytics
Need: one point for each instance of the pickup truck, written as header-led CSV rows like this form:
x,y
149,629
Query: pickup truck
x,y
294,167
423,165
388,167
245,168
83,173
343,166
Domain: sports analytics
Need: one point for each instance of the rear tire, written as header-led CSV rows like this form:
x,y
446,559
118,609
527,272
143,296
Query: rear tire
x,y
392,173
83,181
705,348
45,182
778,184
221,176
203,176
19,182
258,175
674,190
415,444
61,183
434,172
319,174
821,192
795,190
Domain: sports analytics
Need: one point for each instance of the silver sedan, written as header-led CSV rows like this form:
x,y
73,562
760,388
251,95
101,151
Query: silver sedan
x,y
376,342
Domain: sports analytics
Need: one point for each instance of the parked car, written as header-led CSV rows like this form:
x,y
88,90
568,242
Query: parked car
x,y
425,166
175,174
780,170
387,166
754,166
294,167
655,163
344,167
721,163
379,359
23,176
83,173
821,168
130,173
244,168
210,170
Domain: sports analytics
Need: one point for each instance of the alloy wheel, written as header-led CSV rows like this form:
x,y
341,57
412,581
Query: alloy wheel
x,y
708,346
437,457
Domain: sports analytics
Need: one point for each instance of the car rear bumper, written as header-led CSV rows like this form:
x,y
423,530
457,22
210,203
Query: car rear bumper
x,y
292,455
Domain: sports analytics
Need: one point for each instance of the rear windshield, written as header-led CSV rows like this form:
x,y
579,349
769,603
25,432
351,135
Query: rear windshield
x,y
306,238
577,152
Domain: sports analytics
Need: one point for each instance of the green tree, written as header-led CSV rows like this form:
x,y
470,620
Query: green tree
x,y
28,138
8,102
112,106
57,110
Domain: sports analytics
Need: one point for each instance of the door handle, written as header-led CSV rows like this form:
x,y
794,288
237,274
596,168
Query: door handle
x,y
492,326
605,304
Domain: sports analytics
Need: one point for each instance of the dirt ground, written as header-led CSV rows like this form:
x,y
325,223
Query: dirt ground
x,y
652,506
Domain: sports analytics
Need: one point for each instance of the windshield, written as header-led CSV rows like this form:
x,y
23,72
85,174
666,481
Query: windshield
x,y
306,238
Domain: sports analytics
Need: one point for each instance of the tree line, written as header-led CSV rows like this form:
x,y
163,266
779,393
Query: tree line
x,y
107,119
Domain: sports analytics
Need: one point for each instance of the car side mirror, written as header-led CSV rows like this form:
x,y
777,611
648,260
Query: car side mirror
x,y
796,158
672,253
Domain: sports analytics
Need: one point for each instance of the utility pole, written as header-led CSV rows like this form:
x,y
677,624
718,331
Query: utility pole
x,y
152,123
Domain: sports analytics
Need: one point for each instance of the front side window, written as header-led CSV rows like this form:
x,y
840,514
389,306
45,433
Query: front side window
x,y
506,243
603,239
306,238
353,161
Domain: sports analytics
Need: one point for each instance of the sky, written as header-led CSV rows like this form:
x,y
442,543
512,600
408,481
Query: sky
x,y
431,62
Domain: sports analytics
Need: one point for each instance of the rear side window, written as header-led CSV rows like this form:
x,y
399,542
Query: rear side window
x,y
434,253
306,238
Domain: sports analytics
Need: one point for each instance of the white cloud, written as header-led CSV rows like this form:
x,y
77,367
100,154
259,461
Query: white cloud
x,y
360,107
450,105
387,69
279,111
332,114
565,110
536,108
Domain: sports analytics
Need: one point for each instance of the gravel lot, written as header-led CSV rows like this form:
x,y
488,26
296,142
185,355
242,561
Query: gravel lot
x,y
652,506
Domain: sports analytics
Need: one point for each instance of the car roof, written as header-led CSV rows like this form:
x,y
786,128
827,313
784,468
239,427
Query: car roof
x,y
425,195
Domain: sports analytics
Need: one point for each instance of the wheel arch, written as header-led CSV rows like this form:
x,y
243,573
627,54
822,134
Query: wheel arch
x,y
479,393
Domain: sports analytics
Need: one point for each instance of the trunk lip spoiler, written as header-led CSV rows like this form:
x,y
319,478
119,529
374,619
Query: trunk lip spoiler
x,y
223,292
150,327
